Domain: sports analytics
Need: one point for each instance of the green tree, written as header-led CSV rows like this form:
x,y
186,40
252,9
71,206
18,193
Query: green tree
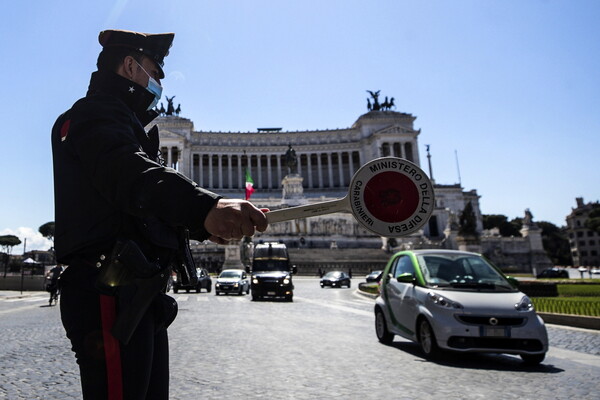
x,y
47,231
506,228
593,220
556,243
7,242
467,221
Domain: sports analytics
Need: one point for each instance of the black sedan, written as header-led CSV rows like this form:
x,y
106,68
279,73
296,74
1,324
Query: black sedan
x,y
374,276
335,279
554,273
204,282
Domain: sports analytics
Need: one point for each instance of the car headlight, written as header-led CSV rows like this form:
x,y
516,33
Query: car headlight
x,y
255,281
525,304
236,284
217,284
443,301
286,280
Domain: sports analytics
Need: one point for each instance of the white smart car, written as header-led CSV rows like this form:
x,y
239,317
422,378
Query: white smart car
x,y
453,300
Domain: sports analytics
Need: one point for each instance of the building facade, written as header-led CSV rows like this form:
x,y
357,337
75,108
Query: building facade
x,y
326,163
585,243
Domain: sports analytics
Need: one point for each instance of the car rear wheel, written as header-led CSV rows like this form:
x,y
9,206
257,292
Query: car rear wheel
x,y
427,339
208,289
381,330
533,359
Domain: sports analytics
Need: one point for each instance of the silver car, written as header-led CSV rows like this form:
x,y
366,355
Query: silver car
x,y
232,281
453,300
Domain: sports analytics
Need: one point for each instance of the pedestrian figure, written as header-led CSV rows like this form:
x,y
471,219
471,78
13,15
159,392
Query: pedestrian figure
x,y
124,220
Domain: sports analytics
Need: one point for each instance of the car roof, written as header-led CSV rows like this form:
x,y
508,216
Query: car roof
x,y
438,251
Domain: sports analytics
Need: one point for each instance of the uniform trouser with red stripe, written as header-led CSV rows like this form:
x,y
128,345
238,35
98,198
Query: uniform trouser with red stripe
x,y
110,370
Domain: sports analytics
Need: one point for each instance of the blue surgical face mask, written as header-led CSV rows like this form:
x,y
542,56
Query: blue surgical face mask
x,y
153,87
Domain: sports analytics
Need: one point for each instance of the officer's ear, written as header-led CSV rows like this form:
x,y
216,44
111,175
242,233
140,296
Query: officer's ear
x,y
128,67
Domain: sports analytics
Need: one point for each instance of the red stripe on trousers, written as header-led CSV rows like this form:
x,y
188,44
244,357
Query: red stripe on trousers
x,y
112,352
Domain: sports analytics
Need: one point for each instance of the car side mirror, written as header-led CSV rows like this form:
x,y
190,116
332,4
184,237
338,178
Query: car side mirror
x,y
406,278
513,281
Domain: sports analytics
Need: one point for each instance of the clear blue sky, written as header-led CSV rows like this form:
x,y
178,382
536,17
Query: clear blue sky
x,y
511,86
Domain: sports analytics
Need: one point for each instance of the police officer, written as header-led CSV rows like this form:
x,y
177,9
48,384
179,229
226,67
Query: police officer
x,y
111,188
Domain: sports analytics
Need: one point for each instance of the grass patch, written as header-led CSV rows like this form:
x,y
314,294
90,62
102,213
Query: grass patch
x,y
587,306
369,287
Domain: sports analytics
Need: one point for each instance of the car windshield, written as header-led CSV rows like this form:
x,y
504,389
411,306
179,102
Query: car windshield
x,y
270,265
333,274
230,274
468,272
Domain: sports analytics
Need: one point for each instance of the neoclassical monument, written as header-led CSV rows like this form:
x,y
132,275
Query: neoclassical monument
x,y
290,168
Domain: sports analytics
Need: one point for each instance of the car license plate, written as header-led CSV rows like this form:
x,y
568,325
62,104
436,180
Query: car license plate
x,y
271,293
494,332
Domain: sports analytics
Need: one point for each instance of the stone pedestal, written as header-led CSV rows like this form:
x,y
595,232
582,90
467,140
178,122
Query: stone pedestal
x,y
469,243
293,193
233,256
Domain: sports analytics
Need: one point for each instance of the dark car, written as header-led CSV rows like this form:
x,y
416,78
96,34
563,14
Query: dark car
x,y
553,273
335,279
374,276
204,282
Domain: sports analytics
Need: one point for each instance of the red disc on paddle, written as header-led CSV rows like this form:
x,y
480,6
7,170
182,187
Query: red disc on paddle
x,y
391,197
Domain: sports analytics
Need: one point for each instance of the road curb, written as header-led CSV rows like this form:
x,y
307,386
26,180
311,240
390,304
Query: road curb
x,y
577,321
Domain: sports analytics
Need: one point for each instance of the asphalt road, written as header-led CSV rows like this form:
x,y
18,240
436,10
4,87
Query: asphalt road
x,y
321,346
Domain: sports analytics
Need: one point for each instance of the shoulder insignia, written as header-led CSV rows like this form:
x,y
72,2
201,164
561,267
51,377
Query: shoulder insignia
x,y
64,130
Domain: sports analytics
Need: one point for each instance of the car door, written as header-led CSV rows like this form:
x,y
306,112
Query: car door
x,y
401,295
245,282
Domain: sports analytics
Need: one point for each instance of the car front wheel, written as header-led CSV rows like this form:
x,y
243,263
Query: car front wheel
x,y
533,359
381,330
427,339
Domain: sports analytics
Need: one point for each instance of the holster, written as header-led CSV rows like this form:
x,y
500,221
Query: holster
x,y
137,283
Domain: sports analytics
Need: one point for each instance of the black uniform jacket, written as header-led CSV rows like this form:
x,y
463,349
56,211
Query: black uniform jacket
x,y
108,180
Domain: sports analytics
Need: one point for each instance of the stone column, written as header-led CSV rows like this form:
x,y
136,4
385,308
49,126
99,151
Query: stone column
x,y
269,172
229,171
341,169
320,170
309,163
330,170
210,171
220,167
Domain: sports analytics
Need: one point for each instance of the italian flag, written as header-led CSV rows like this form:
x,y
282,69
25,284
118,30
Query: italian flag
x,y
249,183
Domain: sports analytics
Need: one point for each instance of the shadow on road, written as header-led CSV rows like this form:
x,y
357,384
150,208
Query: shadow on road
x,y
487,361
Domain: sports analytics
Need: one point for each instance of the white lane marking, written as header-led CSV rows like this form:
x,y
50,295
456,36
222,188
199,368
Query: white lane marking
x,y
355,302
27,299
575,356
336,306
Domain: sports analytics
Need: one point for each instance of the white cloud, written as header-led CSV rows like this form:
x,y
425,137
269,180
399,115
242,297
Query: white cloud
x,y
30,238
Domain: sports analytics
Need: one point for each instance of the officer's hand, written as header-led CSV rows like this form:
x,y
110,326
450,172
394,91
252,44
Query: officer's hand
x,y
232,219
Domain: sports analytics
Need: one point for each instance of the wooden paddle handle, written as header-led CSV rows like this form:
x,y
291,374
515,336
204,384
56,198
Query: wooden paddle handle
x,y
310,210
